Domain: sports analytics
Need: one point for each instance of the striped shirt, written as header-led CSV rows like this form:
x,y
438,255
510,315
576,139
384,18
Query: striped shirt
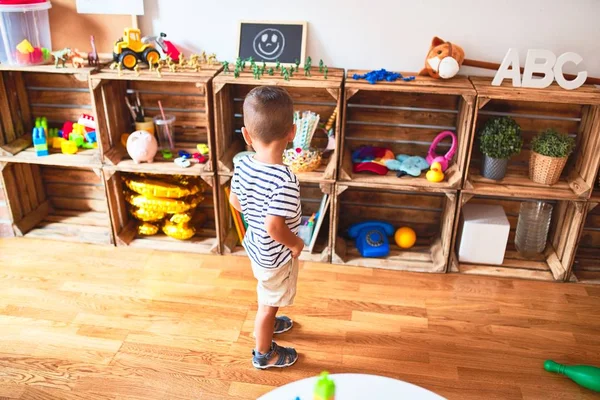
x,y
266,189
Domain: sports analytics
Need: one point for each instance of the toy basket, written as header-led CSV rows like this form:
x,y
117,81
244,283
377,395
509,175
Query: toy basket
x,y
302,160
545,170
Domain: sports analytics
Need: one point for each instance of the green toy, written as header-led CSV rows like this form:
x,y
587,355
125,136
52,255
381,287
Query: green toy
x,y
270,71
325,387
225,67
277,65
61,56
286,74
264,64
321,65
307,66
325,71
584,375
236,72
297,62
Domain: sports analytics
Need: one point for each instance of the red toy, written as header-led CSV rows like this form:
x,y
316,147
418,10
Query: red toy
x,y
67,129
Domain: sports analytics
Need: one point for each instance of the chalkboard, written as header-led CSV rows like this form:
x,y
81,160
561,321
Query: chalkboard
x,y
273,41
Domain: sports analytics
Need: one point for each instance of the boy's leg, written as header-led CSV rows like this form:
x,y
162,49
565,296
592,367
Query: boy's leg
x,y
263,327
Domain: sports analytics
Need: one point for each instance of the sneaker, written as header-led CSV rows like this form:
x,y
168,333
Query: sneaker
x,y
277,357
283,324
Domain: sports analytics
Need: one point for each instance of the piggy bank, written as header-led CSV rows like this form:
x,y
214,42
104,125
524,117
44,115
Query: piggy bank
x,y
142,146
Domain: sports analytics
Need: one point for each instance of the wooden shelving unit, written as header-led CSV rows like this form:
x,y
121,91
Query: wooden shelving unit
x,y
553,264
6,229
55,202
310,93
186,95
586,268
576,112
430,214
405,117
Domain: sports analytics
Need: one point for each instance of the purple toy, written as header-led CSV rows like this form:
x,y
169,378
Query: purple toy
x,y
446,158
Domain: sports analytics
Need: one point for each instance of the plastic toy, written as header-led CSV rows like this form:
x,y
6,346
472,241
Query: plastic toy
x,y
142,146
380,75
405,237
324,388
68,147
446,158
77,138
39,142
129,50
57,142
182,162
321,65
92,58
435,174
87,121
325,71
90,137
371,238
66,54
443,59
585,375
165,47
67,129
200,158
202,148
371,159
184,154
25,47
166,154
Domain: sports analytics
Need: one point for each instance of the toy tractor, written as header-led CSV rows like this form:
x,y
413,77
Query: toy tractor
x,y
130,50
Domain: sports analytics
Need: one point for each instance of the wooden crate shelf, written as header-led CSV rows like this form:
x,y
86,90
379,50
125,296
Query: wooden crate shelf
x,y
6,229
58,94
405,117
125,226
576,112
187,96
60,203
556,261
586,268
314,93
431,215
311,195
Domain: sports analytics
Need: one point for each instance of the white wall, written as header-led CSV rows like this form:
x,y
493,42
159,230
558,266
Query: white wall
x,y
392,34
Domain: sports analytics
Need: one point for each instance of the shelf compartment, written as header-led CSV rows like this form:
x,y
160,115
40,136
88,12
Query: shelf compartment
x,y
576,112
58,96
586,268
553,264
6,229
314,93
431,215
124,225
60,203
186,96
311,195
406,117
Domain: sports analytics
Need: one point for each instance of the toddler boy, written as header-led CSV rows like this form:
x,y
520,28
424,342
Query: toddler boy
x,y
268,194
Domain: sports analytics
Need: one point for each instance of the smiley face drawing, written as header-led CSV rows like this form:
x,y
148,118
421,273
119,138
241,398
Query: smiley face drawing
x,y
269,44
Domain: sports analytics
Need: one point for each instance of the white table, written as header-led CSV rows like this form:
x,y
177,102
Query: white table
x,y
354,387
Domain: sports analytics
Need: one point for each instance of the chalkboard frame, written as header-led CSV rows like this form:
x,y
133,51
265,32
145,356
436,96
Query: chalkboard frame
x,y
303,24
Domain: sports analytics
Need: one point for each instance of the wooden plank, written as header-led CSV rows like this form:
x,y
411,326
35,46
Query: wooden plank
x,y
25,191
13,98
69,176
81,191
506,272
401,117
12,193
69,203
8,125
24,101
53,80
38,183
71,97
394,99
32,219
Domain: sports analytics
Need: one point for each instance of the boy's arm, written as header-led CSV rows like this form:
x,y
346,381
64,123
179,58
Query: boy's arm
x,y
235,202
279,232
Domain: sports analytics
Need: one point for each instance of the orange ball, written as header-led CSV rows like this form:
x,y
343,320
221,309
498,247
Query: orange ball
x,y
405,237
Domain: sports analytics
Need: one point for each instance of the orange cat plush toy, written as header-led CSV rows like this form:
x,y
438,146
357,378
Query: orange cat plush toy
x,y
443,60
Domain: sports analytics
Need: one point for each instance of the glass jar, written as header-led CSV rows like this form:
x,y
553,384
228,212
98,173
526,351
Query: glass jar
x,y
532,228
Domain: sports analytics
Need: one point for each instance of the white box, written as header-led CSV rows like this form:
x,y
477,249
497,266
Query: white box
x,y
485,230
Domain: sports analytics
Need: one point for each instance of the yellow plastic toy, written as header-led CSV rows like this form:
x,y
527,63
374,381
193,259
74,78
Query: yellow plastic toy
x,y
68,147
129,50
435,173
25,47
57,142
202,148
147,229
405,237
159,188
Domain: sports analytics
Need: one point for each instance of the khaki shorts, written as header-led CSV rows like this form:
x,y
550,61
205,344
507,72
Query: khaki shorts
x,y
277,286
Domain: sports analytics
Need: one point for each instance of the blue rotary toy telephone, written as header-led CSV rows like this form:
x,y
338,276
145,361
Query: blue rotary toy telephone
x,y
371,238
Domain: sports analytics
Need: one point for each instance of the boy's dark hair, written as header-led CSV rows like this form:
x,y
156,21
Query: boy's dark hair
x,y
268,113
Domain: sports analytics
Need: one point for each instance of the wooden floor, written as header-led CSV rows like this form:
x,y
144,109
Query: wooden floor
x,y
89,322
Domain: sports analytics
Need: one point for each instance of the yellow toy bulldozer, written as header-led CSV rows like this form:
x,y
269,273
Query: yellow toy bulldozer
x,y
129,50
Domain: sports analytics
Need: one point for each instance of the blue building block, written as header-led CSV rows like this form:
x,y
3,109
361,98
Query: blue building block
x,y
39,142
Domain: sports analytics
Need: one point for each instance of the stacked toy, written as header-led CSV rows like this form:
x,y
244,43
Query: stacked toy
x,y
166,203
72,136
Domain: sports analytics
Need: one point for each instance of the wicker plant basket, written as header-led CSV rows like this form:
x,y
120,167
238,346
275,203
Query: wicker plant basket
x,y
299,160
545,170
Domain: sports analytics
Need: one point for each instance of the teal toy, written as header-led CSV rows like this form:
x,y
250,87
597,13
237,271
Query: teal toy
x,y
39,142
407,165
584,375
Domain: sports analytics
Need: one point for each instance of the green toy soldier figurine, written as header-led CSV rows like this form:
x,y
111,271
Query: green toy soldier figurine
x,y
320,65
291,71
277,65
297,62
264,64
270,71
225,67
238,62
236,72
307,66
325,71
286,74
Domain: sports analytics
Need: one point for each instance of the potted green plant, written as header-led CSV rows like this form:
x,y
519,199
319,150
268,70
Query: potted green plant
x,y
549,153
500,139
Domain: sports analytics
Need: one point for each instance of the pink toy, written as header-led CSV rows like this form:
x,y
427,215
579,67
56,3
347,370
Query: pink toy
x,y
446,158
142,146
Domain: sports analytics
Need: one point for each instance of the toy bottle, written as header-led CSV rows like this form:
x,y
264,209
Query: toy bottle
x,y
584,375
325,388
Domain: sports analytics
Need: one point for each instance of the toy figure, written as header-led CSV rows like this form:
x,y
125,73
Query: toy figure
x,y
264,64
181,60
203,58
291,68
159,70
212,59
320,65
291,71
61,56
136,69
286,74
251,60
92,57
308,61
120,69
270,71
225,67
307,66
238,63
277,65
236,72
297,62
443,59
325,71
